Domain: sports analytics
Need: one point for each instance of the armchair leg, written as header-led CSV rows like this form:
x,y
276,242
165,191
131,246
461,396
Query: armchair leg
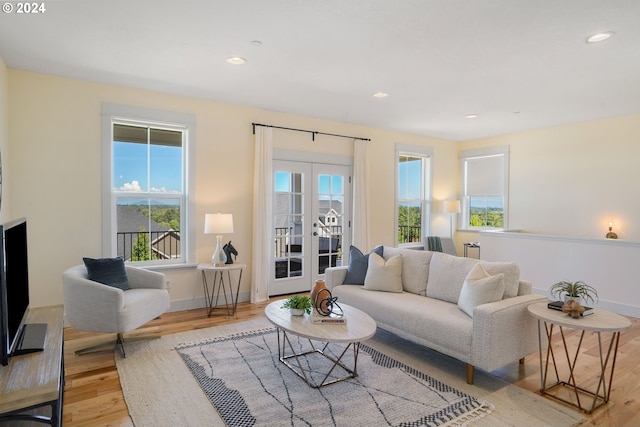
x,y
470,371
112,345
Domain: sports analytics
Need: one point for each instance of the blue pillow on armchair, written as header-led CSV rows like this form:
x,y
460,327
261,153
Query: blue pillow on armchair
x,y
358,264
108,271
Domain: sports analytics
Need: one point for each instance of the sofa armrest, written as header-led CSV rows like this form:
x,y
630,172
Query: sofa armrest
x,y
141,278
525,287
334,276
504,332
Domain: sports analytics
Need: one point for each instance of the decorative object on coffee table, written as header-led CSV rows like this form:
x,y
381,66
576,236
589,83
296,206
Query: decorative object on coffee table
x,y
574,291
317,288
298,304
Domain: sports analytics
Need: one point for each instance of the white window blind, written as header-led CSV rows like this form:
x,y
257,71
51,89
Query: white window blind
x,y
485,176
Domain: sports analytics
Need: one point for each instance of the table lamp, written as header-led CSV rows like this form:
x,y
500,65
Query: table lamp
x,y
218,224
451,207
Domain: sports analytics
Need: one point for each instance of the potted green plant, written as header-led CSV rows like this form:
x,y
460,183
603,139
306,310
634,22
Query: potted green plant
x,y
574,290
298,304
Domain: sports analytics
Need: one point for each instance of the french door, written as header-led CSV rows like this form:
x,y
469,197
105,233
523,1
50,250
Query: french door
x,y
311,217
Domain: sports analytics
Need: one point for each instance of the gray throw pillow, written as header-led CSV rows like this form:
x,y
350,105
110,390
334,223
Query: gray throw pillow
x,y
108,271
358,264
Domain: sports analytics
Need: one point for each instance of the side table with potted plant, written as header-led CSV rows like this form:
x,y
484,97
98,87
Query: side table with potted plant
x,y
600,322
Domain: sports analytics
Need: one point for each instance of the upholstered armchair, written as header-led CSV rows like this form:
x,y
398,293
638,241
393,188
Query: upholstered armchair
x,y
96,307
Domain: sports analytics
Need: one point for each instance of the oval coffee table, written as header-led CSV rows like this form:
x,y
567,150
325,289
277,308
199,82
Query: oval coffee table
x,y
359,327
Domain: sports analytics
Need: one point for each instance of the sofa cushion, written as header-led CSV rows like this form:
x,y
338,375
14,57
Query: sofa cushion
x,y
511,272
446,276
415,268
384,275
358,263
439,325
108,271
480,288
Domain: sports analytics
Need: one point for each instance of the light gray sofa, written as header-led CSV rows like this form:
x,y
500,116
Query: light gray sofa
x,y
426,310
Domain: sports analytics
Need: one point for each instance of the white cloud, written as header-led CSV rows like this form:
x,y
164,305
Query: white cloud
x,y
133,186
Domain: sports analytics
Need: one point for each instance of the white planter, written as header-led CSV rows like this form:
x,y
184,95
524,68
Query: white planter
x,y
297,311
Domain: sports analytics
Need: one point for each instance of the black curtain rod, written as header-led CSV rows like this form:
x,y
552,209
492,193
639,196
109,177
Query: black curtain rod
x,y
312,132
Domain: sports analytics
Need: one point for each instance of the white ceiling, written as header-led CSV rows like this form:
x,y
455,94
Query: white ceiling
x,y
519,64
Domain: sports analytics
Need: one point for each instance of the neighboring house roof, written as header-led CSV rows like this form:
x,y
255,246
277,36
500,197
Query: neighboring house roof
x,y
131,221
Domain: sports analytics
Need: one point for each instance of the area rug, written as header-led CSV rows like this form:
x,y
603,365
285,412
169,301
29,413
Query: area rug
x,y
249,386
160,389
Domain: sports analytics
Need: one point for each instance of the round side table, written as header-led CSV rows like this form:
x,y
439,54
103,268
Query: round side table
x,y
218,285
601,322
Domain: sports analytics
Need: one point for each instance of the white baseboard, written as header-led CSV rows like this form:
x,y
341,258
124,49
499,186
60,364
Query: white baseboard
x,y
199,302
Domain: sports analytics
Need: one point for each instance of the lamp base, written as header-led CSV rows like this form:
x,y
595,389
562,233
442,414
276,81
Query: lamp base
x,y
219,258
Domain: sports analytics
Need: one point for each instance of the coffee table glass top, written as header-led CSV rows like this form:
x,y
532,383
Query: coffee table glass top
x,y
359,327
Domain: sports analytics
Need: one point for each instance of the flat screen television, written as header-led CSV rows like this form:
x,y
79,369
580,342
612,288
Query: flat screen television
x,y
17,336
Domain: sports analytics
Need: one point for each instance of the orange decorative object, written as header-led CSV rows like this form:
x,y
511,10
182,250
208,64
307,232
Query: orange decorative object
x,y
319,286
574,309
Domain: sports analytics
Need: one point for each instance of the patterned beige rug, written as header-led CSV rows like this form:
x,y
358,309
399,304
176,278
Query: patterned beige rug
x,y
160,389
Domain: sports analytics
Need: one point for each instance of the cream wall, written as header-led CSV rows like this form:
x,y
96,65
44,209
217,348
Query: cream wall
x,y
572,180
4,135
56,178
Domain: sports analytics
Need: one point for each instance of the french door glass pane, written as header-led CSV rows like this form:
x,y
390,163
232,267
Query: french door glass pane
x,y
289,224
330,220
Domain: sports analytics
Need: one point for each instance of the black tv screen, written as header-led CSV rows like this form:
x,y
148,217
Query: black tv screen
x,y
14,286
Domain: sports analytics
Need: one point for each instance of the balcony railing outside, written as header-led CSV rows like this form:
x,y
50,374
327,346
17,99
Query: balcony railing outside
x,y
409,234
163,244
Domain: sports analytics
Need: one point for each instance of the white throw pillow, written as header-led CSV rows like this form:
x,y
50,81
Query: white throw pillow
x,y
384,276
480,288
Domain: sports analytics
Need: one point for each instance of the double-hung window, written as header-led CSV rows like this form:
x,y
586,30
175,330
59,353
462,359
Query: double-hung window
x,y
146,201
485,188
413,190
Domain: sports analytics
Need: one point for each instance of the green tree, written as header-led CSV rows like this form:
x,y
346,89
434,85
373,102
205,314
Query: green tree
x,y
141,249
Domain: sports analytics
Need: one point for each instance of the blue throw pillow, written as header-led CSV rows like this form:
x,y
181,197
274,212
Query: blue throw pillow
x,y
108,271
358,264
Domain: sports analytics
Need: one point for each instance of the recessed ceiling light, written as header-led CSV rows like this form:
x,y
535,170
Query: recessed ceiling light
x,y
599,37
472,116
236,60
380,95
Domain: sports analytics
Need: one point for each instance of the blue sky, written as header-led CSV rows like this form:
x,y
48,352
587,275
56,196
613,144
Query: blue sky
x,y
130,168
327,184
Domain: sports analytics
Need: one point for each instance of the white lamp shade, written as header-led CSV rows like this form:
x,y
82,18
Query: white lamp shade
x,y
218,223
451,206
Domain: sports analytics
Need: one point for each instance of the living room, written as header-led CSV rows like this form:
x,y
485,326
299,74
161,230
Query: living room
x,y
570,178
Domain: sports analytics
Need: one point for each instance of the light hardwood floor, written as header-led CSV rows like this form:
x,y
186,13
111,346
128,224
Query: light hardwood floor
x,y
93,396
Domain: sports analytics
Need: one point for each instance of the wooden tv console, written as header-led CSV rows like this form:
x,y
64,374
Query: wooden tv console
x,y
36,380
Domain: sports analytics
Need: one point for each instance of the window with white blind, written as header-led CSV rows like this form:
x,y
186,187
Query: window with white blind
x,y
484,179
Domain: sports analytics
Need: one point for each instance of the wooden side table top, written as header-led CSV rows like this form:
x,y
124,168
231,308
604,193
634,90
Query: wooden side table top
x,y
359,327
599,321
34,378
